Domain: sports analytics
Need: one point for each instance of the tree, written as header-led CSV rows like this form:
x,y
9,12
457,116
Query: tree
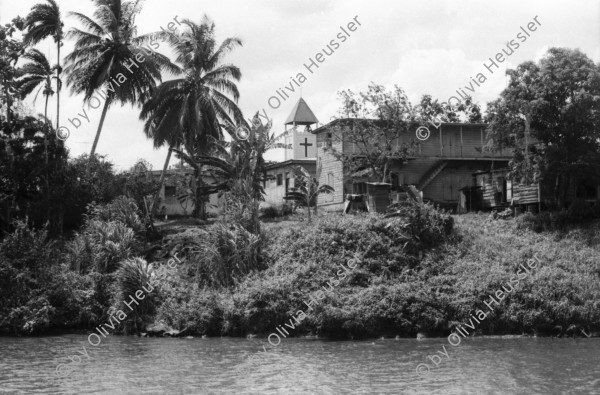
x,y
379,124
239,168
37,74
44,21
87,179
10,51
373,122
306,189
140,183
434,111
109,54
25,144
557,102
515,110
188,111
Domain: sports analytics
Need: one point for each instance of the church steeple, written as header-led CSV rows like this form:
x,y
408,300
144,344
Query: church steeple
x,y
302,141
301,115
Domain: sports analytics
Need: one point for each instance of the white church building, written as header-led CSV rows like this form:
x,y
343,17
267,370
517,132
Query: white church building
x,y
302,151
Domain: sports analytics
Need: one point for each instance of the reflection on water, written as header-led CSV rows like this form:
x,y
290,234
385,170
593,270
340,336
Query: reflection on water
x,y
131,365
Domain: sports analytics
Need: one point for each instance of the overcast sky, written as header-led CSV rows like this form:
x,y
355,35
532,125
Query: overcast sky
x,y
426,47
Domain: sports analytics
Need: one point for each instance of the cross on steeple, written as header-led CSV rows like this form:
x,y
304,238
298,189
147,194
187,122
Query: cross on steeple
x,y
306,144
301,115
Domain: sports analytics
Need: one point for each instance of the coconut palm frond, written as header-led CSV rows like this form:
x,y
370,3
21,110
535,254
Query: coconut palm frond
x,y
43,21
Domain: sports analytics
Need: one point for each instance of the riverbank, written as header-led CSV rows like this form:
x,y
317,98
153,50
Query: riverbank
x,y
423,283
418,273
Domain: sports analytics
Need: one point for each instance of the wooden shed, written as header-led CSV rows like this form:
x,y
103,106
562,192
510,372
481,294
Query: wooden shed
x,y
497,191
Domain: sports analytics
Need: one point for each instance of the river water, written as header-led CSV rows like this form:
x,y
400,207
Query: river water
x,y
132,365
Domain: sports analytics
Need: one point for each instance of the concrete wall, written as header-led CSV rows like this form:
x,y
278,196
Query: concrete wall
x,y
176,183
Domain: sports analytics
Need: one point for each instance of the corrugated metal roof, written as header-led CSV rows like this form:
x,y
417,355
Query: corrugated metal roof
x,y
301,114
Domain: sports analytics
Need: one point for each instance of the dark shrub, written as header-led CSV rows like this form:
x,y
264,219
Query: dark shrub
x,y
424,222
37,293
270,212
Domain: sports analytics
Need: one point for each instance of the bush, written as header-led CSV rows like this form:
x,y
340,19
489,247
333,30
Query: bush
x,y
109,236
122,209
424,223
37,293
270,212
198,311
135,275
536,223
100,246
380,296
223,253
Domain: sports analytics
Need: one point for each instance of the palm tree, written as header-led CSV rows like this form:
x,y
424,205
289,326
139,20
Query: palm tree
x,y
105,55
189,110
44,21
37,74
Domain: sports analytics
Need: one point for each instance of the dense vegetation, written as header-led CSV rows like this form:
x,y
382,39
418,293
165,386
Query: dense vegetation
x,y
417,271
416,274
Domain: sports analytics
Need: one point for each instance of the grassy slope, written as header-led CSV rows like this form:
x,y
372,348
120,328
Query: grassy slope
x,y
408,282
562,292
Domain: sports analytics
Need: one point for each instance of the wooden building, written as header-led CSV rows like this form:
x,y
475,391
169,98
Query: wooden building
x,y
280,178
494,190
438,169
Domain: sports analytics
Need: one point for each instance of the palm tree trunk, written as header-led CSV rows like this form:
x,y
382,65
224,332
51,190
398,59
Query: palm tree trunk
x,y
104,110
46,182
46,127
162,180
58,86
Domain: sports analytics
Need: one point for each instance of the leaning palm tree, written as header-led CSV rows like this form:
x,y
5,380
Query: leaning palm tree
x,y
189,110
109,54
44,21
37,76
